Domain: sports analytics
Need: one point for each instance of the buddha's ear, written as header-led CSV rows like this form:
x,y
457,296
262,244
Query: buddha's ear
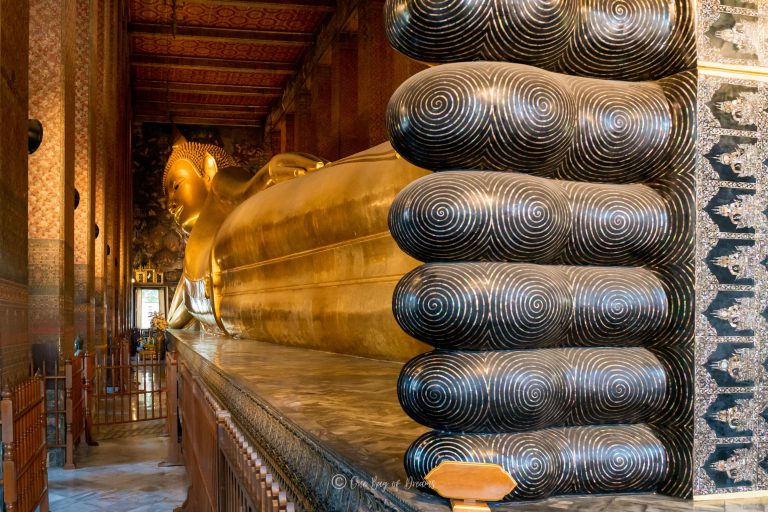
x,y
209,168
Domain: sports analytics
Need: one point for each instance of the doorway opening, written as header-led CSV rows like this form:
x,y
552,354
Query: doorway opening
x,y
149,302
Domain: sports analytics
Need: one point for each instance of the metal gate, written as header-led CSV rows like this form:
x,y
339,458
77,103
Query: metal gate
x,y
127,389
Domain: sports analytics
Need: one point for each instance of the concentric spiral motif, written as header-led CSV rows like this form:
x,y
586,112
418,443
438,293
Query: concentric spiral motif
x,y
510,117
496,306
513,391
620,138
574,460
622,39
449,116
590,173
615,223
465,215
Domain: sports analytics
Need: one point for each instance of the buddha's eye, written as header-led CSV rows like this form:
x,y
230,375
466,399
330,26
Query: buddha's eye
x,y
176,186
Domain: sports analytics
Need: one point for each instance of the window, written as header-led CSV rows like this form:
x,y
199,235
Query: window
x,y
149,306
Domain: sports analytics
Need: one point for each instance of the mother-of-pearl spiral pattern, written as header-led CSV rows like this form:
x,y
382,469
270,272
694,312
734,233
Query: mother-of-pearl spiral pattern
x,y
519,390
475,226
510,117
465,215
619,39
497,306
573,460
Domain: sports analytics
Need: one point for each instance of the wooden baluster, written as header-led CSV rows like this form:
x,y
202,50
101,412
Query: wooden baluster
x,y
10,496
43,453
69,459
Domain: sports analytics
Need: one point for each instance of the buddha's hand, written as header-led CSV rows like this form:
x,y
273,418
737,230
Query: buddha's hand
x,y
286,166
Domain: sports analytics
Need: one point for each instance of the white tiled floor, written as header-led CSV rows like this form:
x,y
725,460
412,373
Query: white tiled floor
x,y
119,475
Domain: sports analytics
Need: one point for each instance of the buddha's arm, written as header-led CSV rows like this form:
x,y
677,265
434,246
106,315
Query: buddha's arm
x,y
178,315
283,167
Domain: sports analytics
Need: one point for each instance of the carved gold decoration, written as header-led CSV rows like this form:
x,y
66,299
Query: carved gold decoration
x,y
148,275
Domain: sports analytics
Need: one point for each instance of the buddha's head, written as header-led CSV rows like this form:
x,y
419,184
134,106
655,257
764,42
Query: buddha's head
x,y
188,176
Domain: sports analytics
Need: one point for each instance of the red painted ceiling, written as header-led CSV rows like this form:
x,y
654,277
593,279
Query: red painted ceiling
x,y
191,57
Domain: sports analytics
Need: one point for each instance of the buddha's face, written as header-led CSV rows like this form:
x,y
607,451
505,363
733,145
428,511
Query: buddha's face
x,y
186,192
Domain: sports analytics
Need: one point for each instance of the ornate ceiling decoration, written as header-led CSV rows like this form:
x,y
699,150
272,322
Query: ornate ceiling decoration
x,y
217,62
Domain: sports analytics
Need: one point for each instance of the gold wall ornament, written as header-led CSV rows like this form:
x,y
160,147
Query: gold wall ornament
x,y
148,275
297,254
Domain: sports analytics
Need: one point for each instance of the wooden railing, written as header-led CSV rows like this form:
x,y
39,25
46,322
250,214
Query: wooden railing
x,y
126,390
173,447
25,476
226,471
74,371
245,484
66,406
56,405
198,427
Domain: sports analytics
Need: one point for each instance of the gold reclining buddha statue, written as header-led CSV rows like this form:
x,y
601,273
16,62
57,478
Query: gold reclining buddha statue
x,y
297,254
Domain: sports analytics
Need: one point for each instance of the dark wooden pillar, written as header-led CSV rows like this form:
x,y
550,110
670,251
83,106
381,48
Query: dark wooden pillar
x,y
381,70
14,52
351,135
304,129
374,62
325,134
287,132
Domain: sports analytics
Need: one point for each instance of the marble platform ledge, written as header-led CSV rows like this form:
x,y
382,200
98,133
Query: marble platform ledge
x,y
332,427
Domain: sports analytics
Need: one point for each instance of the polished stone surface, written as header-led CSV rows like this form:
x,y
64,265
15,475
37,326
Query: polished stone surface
x,y
348,403
348,407
639,503
119,475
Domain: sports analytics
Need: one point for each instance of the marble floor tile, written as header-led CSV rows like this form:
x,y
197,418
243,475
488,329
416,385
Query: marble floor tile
x,y
119,475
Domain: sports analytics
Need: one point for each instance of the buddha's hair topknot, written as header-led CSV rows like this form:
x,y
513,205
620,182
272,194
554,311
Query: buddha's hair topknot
x,y
195,153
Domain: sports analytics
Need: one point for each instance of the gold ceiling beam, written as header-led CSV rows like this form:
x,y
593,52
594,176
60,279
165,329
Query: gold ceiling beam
x,y
155,106
282,68
206,88
223,34
314,5
210,114
224,121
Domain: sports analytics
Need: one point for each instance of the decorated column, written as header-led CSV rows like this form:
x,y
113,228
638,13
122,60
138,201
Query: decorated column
x,y
14,336
52,79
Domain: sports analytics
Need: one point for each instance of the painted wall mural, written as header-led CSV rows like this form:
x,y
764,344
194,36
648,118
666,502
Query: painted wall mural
x,y
156,238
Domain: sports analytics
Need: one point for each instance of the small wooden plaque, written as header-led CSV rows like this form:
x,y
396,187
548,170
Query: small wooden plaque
x,y
470,481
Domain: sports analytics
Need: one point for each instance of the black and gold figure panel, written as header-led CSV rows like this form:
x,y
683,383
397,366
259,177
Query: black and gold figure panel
x,y
626,40
510,117
500,306
575,460
522,390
